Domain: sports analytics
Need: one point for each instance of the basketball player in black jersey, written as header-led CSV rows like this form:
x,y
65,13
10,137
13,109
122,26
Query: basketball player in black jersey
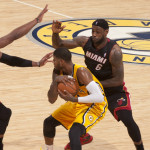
x,y
5,113
103,58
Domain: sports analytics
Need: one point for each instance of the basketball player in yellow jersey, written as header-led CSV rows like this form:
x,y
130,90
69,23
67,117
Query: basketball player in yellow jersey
x,y
80,113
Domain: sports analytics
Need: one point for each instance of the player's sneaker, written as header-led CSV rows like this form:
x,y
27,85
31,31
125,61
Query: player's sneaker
x,y
87,138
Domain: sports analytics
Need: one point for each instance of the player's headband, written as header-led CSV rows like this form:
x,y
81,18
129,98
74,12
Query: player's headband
x,y
101,23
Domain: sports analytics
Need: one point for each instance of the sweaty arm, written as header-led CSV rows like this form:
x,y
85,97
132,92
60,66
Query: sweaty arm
x,y
117,68
17,33
22,30
73,43
95,93
53,91
57,42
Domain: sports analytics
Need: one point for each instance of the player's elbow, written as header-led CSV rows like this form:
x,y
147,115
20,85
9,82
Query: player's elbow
x,y
119,82
99,97
51,99
55,46
58,45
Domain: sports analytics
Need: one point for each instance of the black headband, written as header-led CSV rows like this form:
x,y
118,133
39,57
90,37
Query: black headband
x,y
101,23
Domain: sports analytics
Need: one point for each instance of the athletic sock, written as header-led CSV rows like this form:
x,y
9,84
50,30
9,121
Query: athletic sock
x,y
48,147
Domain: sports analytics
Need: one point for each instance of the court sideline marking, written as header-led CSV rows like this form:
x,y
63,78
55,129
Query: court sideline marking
x,y
42,8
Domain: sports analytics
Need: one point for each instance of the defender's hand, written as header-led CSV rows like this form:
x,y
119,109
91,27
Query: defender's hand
x,y
40,16
45,59
56,26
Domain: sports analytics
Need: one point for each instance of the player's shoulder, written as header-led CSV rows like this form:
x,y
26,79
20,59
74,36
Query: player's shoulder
x,y
116,53
82,71
116,49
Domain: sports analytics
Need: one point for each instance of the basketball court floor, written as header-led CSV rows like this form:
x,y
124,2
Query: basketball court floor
x,y
24,90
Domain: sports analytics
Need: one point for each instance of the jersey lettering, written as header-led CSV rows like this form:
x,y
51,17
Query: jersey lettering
x,y
96,57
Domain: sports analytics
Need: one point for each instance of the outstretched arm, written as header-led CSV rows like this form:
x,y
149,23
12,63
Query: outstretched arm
x,y
21,62
58,42
117,68
22,30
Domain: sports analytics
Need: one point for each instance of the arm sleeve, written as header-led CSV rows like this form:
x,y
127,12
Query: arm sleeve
x,y
15,61
95,94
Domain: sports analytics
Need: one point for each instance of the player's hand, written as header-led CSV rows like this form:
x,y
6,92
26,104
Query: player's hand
x,y
57,26
64,79
45,59
67,96
40,16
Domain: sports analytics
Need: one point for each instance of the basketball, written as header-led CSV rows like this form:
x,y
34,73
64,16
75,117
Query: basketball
x,y
71,87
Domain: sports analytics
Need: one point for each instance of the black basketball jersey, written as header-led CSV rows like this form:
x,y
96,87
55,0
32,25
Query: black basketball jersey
x,y
97,61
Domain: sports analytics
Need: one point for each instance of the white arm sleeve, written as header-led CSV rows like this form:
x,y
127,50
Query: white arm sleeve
x,y
95,96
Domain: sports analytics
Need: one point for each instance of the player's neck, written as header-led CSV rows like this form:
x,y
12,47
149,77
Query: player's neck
x,y
99,46
68,68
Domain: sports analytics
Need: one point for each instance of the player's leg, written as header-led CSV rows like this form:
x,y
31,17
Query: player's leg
x,y
49,130
84,139
119,105
133,130
64,115
5,114
75,132
87,118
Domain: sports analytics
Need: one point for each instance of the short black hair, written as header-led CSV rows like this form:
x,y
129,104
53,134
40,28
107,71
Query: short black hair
x,y
101,23
63,53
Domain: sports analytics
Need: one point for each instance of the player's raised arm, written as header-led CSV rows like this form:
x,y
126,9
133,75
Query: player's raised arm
x,y
22,30
58,42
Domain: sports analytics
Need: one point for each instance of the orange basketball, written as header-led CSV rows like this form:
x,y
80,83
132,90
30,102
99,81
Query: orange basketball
x,y
71,87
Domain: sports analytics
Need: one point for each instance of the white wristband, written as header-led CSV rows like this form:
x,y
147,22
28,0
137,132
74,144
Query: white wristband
x,y
38,64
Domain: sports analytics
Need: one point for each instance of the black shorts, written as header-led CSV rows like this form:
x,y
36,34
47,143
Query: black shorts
x,y
118,101
5,114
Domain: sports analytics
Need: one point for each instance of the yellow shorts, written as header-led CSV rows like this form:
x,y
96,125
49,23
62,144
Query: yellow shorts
x,y
85,114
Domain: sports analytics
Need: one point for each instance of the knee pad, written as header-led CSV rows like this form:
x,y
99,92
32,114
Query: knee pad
x,y
5,114
50,124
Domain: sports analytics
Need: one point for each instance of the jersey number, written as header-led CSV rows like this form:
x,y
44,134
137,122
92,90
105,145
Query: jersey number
x,y
98,67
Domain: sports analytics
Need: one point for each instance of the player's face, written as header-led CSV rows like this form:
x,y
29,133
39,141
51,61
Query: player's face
x,y
98,34
57,63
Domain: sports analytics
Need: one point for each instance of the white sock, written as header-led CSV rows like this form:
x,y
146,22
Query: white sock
x,y
48,147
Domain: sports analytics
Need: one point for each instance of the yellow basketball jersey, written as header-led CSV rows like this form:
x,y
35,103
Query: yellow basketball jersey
x,y
87,114
82,89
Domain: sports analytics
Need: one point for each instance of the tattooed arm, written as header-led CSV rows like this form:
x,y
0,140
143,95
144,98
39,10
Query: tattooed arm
x,y
58,42
117,68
